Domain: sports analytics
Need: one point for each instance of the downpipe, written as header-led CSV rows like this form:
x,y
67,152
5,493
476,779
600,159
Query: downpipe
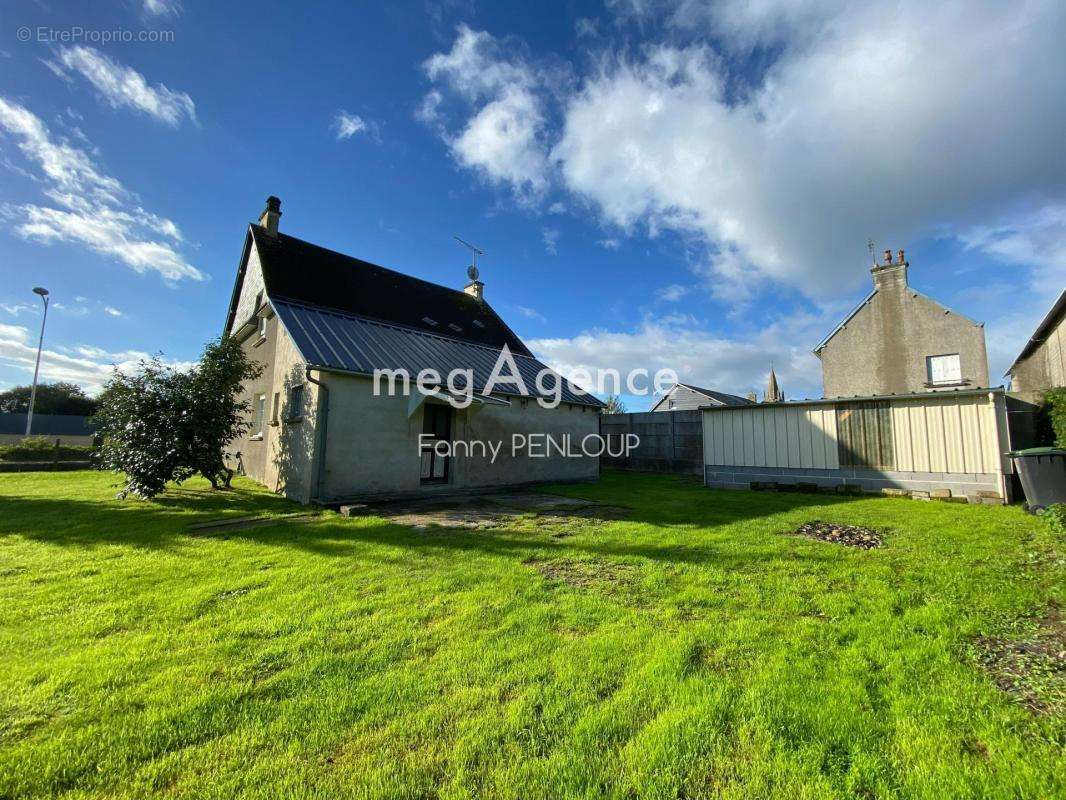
x,y
320,429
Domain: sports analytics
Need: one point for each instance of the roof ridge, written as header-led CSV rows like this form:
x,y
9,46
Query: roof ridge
x,y
281,234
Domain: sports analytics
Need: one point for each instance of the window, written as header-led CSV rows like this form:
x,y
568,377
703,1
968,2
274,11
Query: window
x,y
296,402
944,369
260,413
275,409
262,327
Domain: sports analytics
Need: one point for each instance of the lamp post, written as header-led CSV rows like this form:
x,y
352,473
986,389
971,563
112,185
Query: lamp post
x,y
40,343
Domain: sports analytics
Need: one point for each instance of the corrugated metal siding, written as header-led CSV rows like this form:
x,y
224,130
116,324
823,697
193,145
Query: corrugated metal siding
x,y
359,345
938,433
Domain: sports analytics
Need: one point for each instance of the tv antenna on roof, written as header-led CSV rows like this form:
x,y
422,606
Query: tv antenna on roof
x,y
471,271
871,247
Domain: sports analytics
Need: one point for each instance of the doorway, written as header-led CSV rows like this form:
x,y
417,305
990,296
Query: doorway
x,y
436,427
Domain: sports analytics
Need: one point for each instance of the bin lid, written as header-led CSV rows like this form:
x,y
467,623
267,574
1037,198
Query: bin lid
x,y
1037,451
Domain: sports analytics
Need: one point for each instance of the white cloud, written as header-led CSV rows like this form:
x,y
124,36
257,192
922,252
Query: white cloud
x,y
550,237
346,125
84,365
162,8
14,309
672,293
123,87
502,139
1037,240
91,208
730,364
609,244
114,312
878,120
586,27
530,313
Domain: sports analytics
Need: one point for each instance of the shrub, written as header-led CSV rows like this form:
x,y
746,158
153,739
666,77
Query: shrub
x,y
1056,517
1054,415
43,448
165,425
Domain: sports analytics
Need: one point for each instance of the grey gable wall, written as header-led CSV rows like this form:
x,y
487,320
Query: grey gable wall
x,y
882,348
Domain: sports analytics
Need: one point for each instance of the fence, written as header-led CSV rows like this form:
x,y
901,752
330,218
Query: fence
x,y
670,441
936,441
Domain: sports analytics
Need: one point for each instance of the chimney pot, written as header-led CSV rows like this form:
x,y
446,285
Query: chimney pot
x,y
900,256
271,215
888,256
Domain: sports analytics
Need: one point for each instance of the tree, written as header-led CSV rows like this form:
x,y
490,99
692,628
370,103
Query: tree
x,y
614,405
163,424
52,398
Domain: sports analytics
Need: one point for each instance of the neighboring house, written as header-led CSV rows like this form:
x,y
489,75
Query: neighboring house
x,y
322,322
1041,365
68,429
686,397
899,341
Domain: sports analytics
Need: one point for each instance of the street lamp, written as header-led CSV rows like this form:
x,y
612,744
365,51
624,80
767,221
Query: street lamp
x,y
40,342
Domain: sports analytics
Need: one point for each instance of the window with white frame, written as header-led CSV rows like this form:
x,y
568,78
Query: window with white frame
x,y
260,413
944,370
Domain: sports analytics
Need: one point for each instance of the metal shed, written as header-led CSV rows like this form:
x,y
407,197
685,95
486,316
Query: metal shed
x,y
920,442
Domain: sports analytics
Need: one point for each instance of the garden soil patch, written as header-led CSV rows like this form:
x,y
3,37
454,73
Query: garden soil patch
x,y
849,535
1032,670
585,574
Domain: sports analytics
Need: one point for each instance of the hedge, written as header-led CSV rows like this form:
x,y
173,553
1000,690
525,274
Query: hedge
x,y
43,448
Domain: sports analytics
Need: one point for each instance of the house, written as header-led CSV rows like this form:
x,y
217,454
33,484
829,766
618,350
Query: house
x,y
325,429
1041,365
898,341
686,397
67,429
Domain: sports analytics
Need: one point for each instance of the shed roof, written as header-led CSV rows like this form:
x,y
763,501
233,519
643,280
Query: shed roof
x,y
874,398
345,342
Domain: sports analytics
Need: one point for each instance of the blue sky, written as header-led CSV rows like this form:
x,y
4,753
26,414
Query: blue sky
x,y
656,184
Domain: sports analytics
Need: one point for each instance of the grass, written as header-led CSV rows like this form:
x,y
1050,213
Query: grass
x,y
689,649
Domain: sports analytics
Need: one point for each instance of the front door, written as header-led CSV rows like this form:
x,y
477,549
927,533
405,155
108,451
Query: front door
x,y
437,427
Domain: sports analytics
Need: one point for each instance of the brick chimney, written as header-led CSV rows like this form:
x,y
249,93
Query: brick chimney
x,y
891,274
271,215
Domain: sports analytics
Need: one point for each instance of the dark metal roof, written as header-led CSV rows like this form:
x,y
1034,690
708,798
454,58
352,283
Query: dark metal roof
x,y
1040,334
46,425
338,341
722,397
306,273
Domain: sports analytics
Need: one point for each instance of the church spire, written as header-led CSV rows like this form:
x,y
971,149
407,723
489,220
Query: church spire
x,y
773,391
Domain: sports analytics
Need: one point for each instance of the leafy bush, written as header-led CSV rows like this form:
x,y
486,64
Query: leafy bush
x,y
43,448
1056,517
1054,414
165,425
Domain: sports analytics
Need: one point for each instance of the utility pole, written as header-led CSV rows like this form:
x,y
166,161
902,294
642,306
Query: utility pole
x,y
37,368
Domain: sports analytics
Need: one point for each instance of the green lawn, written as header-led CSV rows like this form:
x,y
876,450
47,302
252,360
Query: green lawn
x,y
690,649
